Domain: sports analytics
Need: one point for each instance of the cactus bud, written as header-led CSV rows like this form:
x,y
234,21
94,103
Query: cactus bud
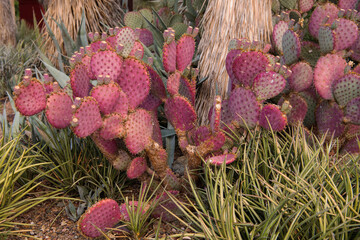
x,y
74,122
28,72
111,31
100,79
82,51
26,81
107,79
16,90
103,36
189,30
56,87
96,36
91,36
103,45
77,101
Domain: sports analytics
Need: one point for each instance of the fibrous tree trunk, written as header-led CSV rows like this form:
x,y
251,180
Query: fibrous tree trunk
x,y
223,21
7,23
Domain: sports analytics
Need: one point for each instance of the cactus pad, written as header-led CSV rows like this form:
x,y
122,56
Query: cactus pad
x,y
291,47
320,13
169,56
106,63
324,76
232,54
247,65
244,107
112,127
146,37
139,131
187,89
107,96
279,30
137,51
346,88
271,116
165,204
104,214
327,39
268,85
329,119
173,83
150,103
353,111
310,52
134,81
133,20
301,77
126,37
305,5
58,109
346,33
185,49
183,120
220,159
87,118
351,146
108,147
310,98
30,97
136,168
157,85
298,109
348,4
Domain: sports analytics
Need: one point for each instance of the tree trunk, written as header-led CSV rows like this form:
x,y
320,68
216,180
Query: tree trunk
x,y
7,23
223,21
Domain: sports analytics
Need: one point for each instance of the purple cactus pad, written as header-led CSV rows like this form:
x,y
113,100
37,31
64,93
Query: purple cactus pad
x,y
180,113
112,127
329,119
346,34
353,111
268,85
321,12
301,77
107,96
278,32
272,117
185,49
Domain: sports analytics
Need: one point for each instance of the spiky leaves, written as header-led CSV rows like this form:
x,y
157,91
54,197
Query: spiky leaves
x,y
104,214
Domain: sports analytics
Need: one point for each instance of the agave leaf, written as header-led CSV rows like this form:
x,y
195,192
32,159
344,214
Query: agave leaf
x,y
82,39
69,43
190,8
158,37
167,132
4,123
170,146
163,25
56,43
59,76
190,16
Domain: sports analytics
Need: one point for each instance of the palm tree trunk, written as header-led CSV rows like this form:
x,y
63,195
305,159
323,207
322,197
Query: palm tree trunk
x,y
223,21
7,23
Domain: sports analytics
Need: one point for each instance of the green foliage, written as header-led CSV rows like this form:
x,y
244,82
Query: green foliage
x,y
286,186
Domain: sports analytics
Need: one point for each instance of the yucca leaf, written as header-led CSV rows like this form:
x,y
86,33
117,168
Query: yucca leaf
x,y
59,76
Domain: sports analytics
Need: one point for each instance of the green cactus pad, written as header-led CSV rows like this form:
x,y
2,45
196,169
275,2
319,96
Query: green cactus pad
x,y
247,65
318,16
268,85
301,77
102,215
329,119
122,160
298,110
220,159
346,34
133,20
58,109
324,75
139,131
180,29
136,168
244,107
107,96
157,85
278,32
305,5
126,37
289,4
346,88
327,39
185,50
310,52
272,117
106,63
180,113
169,56
30,97
87,118
80,81
108,147
146,13
353,111
310,98
291,47
112,127
134,81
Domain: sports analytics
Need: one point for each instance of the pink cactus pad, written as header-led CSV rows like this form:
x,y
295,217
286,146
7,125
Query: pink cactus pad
x,y
136,168
352,131
329,119
268,85
351,146
107,96
96,46
356,49
30,98
305,5
126,37
122,105
278,32
346,88
80,81
58,109
157,85
272,117
291,47
108,147
146,37
134,81
298,109
150,103
320,13
346,33
165,204
111,40
173,83
139,131
157,137
180,113
353,111
348,4
232,54
185,49
301,77
247,65
169,56
104,214
220,159
187,89
244,107
87,118
112,127
137,50
86,61
226,115
324,76
106,63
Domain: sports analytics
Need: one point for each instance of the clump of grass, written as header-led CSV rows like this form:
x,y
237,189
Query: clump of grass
x,y
284,186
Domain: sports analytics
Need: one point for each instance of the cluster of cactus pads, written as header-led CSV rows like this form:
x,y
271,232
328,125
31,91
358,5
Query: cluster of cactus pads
x,y
113,97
